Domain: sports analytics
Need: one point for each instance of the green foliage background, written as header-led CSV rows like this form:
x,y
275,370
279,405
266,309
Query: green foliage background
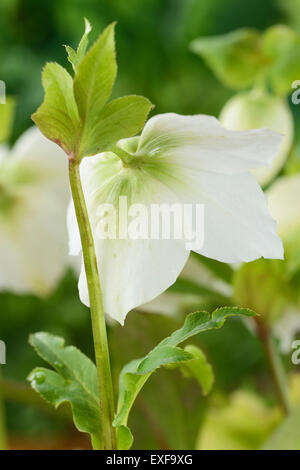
x,y
154,60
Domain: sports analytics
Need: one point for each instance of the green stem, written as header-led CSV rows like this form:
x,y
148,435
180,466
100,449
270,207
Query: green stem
x,y
275,366
3,438
126,157
107,408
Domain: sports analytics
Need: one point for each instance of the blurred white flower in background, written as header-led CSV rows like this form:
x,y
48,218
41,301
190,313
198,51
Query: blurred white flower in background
x,y
254,109
34,195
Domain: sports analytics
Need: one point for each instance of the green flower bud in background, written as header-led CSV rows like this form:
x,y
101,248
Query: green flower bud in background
x,y
255,109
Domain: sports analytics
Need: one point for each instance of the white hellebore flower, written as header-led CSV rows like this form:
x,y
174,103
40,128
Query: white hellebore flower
x,y
34,196
186,160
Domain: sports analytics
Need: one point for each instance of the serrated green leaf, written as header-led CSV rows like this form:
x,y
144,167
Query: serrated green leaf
x,y
124,438
281,46
94,80
162,356
76,57
234,57
58,117
121,118
74,380
72,56
136,373
7,111
74,114
82,46
197,367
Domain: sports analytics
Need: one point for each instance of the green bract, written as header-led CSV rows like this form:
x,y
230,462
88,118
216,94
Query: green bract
x,y
75,377
74,113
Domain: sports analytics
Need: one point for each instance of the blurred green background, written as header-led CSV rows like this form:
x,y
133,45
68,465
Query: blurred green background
x,y
154,60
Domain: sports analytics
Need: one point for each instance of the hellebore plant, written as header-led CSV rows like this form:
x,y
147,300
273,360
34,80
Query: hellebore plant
x,y
176,159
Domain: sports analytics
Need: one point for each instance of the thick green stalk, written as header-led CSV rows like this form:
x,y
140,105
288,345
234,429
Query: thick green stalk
x,y
275,366
3,442
96,306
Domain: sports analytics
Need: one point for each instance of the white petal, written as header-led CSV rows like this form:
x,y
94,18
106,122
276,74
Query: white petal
x,y
237,223
201,143
132,272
